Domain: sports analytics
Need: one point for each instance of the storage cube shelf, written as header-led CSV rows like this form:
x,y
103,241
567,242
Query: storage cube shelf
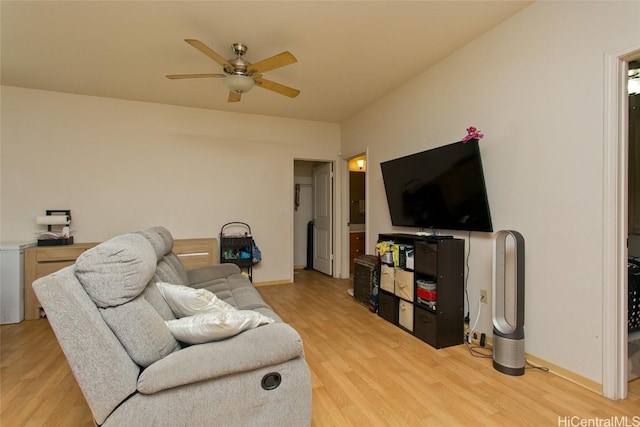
x,y
428,299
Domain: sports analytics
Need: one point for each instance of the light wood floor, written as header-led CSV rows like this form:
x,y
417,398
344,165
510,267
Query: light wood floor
x,y
365,371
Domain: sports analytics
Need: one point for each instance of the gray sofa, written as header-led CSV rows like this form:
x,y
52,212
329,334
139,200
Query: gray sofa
x,y
109,318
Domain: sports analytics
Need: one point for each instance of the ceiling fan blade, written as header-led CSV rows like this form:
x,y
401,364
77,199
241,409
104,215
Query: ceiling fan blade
x,y
277,87
194,76
234,97
209,52
277,61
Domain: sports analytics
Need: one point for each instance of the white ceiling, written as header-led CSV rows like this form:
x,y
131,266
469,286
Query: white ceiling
x,y
349,52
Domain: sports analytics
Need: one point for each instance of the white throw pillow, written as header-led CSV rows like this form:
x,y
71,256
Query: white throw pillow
x,y
186,301
208,327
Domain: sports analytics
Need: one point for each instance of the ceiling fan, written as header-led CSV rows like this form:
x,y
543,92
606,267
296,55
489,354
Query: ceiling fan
x,y
241,75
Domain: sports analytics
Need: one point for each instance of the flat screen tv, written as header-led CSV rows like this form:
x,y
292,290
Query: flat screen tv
x,y
442,188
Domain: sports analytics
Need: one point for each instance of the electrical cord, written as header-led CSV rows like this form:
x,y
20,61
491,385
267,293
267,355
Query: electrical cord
x,y
466,279
473,328
474,351
532,366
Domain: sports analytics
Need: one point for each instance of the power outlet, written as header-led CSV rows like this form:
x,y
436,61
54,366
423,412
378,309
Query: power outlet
x,y
483,296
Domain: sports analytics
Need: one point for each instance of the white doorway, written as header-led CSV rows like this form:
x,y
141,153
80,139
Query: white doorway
x,y
313,219
615,336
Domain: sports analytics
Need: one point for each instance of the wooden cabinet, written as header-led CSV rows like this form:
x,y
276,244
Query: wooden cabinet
x,y
438,262
42,260
356,247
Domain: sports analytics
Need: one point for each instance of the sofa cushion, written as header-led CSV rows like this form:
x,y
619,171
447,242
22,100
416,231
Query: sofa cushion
x,y
214,326
156,240
166,236
154,297
171,270
141,330
116,271
185,301
238,291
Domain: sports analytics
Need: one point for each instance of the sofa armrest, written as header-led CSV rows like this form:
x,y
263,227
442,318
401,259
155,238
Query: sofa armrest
x,y
211,272
253,349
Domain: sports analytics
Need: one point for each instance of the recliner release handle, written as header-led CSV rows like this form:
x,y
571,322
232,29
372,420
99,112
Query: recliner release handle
x,y
271,381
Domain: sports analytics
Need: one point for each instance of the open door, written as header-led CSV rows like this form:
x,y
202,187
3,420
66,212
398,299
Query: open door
x,y
322,217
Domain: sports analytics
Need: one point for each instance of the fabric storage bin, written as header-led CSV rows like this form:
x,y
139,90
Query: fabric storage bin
x,y
405,314
388,307
404,284
387,278
425,327
426,258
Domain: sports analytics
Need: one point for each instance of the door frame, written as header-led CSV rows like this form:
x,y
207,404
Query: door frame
x,y
344,212
338,179
615,232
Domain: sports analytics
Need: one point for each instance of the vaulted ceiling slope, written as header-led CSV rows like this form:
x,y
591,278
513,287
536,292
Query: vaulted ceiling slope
x,y
349,52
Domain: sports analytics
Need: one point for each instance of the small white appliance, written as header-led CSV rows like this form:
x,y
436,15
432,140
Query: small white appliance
x,y
12,282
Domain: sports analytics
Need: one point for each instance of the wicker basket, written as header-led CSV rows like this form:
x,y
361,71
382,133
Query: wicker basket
x,y
634,295
366,274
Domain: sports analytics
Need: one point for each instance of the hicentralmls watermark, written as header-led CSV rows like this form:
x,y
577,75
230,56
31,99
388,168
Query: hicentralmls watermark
x,y
575,421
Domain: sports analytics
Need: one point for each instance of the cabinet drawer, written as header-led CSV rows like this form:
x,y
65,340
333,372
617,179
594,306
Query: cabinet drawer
x,y
405,314
426,326
356,244
51,267
426,258
387,278
388,307
59,253
356,238
355,252
404,284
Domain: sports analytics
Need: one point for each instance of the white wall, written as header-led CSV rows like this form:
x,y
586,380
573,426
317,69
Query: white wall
x,y
121,166
534,85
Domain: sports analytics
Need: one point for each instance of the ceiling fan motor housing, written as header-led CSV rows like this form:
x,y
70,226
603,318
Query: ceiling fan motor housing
x,y
239,65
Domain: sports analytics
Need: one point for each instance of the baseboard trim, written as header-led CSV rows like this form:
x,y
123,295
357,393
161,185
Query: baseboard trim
x,y
273,282
566,374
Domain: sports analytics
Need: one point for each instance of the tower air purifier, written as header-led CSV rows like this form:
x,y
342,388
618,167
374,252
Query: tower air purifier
x,y
508,303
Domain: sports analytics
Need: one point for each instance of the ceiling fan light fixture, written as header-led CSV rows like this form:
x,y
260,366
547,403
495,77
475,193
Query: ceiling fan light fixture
x,y
238,83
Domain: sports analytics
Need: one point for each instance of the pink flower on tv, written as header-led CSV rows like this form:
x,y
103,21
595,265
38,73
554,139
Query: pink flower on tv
x,y
472,133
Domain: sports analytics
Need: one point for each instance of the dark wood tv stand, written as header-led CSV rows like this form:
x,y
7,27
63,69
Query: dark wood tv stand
x,y
439,260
